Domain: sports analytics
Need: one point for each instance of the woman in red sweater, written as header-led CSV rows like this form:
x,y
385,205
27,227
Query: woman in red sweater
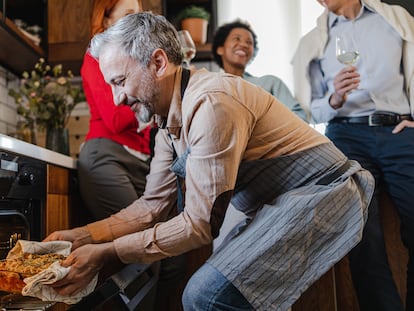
x,y
114,159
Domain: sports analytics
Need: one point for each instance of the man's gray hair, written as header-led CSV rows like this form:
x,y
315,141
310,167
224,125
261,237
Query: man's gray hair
x,y
138,35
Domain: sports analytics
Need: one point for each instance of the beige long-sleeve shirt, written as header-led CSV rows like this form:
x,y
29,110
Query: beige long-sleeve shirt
x,y
221,121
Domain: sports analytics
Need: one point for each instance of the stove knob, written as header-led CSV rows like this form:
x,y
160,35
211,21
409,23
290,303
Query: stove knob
x,y
25,179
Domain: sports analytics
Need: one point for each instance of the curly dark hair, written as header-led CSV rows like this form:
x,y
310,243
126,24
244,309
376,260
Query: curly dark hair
x,y
223,32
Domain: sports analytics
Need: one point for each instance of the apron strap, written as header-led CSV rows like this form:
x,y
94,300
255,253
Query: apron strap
x,y
185,77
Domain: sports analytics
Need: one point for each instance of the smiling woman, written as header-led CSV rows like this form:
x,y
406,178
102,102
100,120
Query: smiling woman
x,y
278,31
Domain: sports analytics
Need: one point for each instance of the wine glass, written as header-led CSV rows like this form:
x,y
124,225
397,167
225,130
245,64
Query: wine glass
x,y
188,48
346,51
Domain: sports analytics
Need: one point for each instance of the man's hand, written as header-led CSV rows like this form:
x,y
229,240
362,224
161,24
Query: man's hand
x,y
345,81
78,236
400,126
85,262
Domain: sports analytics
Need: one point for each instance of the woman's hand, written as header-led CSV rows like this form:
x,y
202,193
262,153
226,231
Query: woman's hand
x,y
78,236
345,81
85,262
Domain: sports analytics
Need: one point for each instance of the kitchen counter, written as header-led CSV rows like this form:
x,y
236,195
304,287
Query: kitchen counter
x,y
8,143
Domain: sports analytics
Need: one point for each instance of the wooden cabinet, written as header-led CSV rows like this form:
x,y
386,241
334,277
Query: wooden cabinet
x,y
64,38
57,214
57,199
154,6
78,129
68,32
18,52
63,210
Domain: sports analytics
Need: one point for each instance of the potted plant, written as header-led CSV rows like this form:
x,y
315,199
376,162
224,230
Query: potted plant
x,y
195,19
45,99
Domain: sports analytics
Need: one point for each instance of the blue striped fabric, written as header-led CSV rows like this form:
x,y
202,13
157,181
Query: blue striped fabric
x,y
300,230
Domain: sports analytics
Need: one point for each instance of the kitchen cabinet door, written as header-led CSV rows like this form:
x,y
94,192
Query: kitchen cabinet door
x,y
68,32
155,6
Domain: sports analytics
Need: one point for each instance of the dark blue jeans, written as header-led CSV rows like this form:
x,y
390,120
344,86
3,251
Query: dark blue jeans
x,y
390,159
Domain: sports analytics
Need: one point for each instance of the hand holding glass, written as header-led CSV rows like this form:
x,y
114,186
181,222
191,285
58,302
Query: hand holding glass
x,y
346,51
188,48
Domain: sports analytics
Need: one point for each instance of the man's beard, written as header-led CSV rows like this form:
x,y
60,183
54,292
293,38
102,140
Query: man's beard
x,y
151,93
145,113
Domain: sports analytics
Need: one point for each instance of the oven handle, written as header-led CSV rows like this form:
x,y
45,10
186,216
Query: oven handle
x,y
7,245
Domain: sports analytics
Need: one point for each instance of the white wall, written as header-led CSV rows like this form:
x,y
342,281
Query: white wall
x,y
278,27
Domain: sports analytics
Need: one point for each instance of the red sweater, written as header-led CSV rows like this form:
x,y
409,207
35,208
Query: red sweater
x,y
108,120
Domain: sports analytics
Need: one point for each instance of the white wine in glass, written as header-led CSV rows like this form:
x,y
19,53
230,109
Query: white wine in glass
x,y
188,48
346,51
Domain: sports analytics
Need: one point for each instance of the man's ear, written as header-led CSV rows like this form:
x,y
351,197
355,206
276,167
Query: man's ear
x,y
220,50
160,60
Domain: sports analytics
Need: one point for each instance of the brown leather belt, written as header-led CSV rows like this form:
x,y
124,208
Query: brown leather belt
x,y
379,118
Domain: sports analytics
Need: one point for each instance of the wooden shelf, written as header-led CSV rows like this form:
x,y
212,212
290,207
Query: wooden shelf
x,y
203,52
18,53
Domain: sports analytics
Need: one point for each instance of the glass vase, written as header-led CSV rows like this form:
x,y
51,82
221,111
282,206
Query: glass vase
x,y
57,139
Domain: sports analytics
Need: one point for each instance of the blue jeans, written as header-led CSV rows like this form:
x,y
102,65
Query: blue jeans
x,y
209,290
390,159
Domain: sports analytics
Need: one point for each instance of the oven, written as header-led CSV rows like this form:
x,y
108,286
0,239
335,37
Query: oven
x,y
22,200
22,214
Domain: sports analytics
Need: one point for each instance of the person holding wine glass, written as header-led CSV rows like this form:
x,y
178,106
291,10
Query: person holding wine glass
x,y
347,54
362,122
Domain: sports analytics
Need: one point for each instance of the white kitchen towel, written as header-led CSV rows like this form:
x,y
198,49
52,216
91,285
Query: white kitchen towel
x,y
33,247
38,284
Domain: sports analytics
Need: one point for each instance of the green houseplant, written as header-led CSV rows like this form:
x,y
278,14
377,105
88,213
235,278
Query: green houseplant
x,y
193,11
194,19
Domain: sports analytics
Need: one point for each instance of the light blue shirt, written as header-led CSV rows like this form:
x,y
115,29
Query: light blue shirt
x,y
278,89
379,65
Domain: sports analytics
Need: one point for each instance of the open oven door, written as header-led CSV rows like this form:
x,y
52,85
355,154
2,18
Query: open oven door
x,y
124,290
14,226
